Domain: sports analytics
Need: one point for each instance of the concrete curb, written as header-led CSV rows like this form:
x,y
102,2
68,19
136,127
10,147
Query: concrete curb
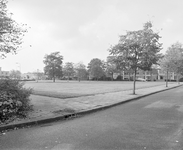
x,y
80,113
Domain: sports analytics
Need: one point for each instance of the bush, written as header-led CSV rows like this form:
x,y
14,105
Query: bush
x,y
14,99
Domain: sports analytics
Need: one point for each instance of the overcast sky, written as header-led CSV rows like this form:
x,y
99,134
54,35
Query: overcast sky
x,y
84,29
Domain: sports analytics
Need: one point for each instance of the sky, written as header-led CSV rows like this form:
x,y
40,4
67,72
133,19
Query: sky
x,y
85,29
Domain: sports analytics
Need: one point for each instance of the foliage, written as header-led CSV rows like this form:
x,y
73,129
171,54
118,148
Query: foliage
x,y
53,65
138,49
68,70
14,99
11,32
174,55
81,72
173,59
96,68
111,66
15,74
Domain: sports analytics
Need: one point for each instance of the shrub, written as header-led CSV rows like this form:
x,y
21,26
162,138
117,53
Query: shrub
x,y
14,99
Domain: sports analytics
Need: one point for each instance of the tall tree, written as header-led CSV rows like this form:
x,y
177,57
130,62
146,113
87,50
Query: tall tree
x,y
68,70
81,72
165,66
11,33
96,68
53,65
138,49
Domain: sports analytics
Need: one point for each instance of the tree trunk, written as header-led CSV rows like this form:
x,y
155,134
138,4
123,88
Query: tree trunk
x,y
178,78
151,75
123,75
112,77
134,80
167,78
54,72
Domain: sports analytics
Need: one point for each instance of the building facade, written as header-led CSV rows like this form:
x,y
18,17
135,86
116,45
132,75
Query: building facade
x,y
153,75
4,74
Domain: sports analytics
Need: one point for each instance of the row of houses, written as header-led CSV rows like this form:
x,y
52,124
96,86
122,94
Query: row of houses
x,y
24,76
153,75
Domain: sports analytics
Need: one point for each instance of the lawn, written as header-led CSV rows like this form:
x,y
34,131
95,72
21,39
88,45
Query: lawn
x,y
67,89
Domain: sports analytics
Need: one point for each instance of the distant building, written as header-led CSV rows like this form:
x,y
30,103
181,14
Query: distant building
x,y
4,74
153,75
28,76
33,76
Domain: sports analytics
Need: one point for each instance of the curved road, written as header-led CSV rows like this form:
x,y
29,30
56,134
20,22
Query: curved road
x,y
152,123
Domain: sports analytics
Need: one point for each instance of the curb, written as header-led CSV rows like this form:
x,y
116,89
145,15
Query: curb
x,y
77,114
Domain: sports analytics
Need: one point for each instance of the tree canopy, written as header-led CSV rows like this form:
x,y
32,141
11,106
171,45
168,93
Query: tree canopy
x,y
138,49
11,33
81,72
173,59
53,65
111,66
96,68
68,70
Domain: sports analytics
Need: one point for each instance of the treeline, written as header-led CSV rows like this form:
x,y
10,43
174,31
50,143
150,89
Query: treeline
x,y
54,68
136,50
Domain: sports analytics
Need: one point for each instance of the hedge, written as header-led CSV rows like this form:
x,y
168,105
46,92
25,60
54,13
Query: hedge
x,y
14,99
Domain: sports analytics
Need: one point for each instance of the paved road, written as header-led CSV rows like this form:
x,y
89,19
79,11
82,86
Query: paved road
x,y
152,123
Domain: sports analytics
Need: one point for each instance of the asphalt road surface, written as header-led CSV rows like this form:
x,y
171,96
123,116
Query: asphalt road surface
x,y
152,123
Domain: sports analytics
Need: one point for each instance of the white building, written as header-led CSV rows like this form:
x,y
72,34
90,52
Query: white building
x,y
4,74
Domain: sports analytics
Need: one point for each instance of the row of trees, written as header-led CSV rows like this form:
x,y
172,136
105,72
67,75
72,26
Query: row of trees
x,y
135,50
54,68
96,69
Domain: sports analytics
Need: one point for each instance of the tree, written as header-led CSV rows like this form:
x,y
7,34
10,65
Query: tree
x,y
14,98
11,33
175,55
68,70
53,65
111,66
81,72
138,49
96,68
165,66
173,60
15,74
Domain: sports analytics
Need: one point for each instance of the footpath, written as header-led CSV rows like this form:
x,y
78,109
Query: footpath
x,y
48,109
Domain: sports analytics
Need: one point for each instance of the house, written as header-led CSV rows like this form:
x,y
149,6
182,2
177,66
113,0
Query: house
x,y
29,76
4,74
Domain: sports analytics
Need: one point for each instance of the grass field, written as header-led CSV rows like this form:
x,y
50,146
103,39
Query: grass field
x,y
65,89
